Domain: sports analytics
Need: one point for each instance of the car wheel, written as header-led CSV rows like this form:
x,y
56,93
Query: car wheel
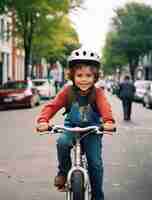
x,y
147,105
31,103
38,101
146,102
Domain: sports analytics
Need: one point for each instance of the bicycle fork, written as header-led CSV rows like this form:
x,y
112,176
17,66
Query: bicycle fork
x,y
78,166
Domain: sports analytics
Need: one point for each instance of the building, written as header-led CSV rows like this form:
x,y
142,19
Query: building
x,y
11,57
144,71
5,49
17,55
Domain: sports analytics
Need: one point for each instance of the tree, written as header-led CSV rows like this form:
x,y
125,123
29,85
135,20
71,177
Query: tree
x,y
132,24
62,37
28,16
111,58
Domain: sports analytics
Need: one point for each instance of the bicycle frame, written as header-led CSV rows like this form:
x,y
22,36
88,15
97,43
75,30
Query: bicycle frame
x,y
78,183
79,164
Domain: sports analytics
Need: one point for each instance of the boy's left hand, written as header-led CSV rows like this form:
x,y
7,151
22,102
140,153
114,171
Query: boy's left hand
x,y
109,127
42,127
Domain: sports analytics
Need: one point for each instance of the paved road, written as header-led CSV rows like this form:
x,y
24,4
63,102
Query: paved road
x,y
28,161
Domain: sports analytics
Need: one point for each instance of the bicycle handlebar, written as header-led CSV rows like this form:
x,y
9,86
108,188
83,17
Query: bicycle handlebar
x,y
61,128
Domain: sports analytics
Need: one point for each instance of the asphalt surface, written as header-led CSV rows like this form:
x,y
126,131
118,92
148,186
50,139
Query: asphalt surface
x,y
28,161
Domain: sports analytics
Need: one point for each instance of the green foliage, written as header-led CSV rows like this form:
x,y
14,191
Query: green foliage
x,y
37,24
133,24
60,37
133,34
4,4
112,58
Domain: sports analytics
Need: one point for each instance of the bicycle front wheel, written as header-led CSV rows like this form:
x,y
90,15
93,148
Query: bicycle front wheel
x,y
77,186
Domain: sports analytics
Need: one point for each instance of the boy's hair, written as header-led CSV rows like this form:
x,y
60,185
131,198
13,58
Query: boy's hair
x,y
94,70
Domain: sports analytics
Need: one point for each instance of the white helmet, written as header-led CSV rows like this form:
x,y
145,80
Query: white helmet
x,y
84,56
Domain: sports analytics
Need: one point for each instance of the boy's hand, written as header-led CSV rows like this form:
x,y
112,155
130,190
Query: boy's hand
x,y
42,127
111,127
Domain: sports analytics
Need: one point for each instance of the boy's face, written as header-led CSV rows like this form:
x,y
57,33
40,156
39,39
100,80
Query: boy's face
x,y
84,78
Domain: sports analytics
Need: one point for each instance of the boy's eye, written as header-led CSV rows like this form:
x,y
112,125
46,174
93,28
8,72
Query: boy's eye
x,y
79,75
86,75
89,75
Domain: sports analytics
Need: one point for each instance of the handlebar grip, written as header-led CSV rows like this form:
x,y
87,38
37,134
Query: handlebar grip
x,y
102,129
115,129
50,128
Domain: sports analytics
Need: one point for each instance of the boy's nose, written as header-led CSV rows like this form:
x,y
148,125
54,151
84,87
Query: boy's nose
x,y
84,78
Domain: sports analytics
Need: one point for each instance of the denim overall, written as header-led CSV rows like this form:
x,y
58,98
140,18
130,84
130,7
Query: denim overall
x,y
83,115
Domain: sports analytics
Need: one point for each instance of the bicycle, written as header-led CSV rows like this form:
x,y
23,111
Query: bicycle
x,y
78,184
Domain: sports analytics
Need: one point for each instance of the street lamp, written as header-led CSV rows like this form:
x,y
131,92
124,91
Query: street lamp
x,y
0,56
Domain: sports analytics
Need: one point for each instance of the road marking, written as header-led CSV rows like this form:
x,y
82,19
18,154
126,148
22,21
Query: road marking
x,y
6,173
116,184
135,128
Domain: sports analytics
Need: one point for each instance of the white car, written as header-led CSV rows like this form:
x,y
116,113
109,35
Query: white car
x,y
141,87
100,84
45,87
147,101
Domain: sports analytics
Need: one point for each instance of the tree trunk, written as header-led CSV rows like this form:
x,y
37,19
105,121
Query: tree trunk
x,y
26,63
131,68
133,64
28,36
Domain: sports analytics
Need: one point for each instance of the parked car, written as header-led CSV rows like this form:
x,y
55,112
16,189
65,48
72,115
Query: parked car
x,y
18,93
100,84
147,101
45,87
141,87
108,85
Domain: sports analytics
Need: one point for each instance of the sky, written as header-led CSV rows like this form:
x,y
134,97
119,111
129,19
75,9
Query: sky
x,y
93,22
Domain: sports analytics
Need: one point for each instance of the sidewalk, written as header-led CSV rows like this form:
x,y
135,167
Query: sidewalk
x,y
128,155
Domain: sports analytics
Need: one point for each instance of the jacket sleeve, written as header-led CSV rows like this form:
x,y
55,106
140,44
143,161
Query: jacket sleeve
x,y
50,109
104,106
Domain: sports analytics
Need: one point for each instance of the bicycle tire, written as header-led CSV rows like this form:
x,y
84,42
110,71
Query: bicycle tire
x,y
77,185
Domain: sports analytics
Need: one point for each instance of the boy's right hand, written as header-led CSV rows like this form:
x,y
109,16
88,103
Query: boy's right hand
x,y
42,127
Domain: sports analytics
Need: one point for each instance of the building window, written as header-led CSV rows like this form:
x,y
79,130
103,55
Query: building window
x,y
2,29
7,31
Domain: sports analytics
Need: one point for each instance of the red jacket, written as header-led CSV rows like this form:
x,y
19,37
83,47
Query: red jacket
x,y
61,100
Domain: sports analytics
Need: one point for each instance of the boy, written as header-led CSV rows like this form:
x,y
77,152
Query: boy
x,y
85,105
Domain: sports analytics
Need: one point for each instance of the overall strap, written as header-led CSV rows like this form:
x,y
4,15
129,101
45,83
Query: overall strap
x,y
92,96
71,98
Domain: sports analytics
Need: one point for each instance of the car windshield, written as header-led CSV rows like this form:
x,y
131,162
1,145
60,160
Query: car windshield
x,y
14,85
38,83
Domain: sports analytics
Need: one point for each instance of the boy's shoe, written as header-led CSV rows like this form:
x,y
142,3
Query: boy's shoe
x,y
59,181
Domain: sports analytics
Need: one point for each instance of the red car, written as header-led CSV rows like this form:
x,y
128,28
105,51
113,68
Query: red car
x,y
18,93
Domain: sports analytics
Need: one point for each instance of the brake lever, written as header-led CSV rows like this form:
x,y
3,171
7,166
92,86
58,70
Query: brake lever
x,y
50,128
54,130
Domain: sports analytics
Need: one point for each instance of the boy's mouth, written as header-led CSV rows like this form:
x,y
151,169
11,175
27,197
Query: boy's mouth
x,y
84,86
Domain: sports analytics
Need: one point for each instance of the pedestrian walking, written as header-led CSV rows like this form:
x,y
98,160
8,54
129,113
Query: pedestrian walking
x,y
56,73
126,94
85,105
